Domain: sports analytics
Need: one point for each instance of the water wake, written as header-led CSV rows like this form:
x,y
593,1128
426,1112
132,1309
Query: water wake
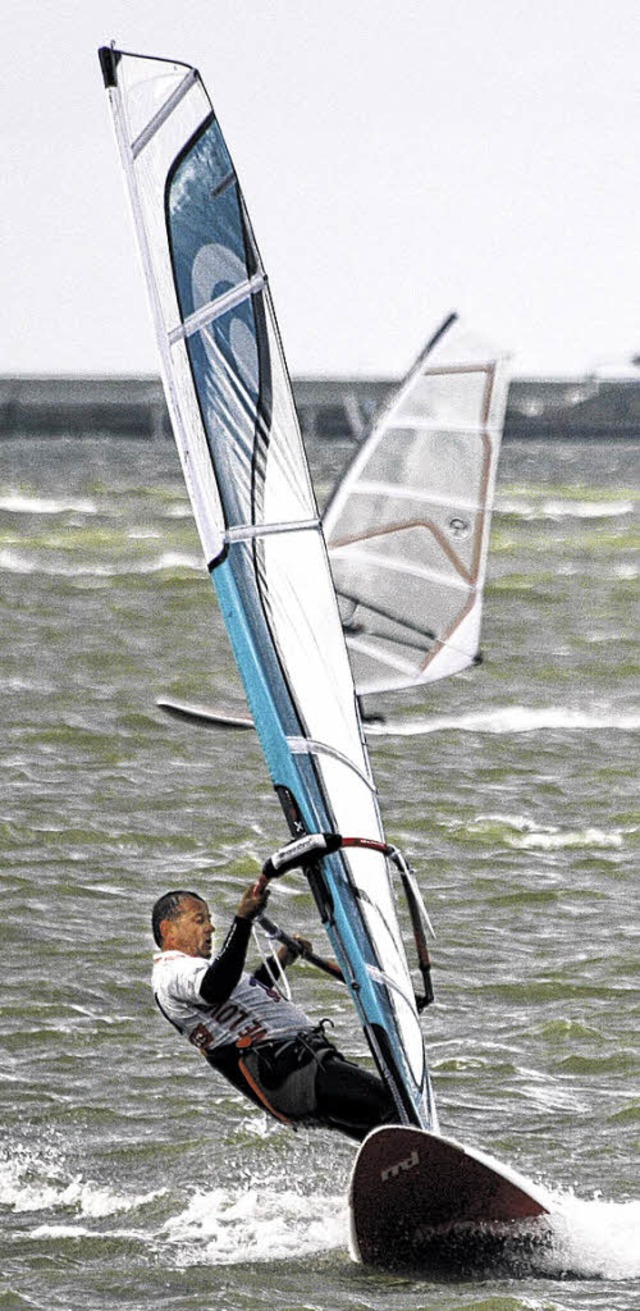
x,y
266,1223
511,719
594,1239
584,1239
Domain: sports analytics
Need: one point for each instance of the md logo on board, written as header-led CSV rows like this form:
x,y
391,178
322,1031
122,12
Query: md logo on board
x,y
392,1171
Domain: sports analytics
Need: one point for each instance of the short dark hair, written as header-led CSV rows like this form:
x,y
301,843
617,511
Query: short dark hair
x,y
168,907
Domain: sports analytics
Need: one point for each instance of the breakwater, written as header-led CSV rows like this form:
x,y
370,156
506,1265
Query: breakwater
x,y
599,409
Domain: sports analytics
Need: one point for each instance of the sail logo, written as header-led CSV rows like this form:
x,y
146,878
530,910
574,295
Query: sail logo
x,y
392,1171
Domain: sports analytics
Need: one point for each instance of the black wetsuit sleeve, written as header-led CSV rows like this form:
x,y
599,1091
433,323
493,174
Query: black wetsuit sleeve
x,y
269,970
224,972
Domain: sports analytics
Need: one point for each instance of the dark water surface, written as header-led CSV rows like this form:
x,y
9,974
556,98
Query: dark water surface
x,y
129,1176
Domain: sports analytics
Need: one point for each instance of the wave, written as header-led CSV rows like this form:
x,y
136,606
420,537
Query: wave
x,y
511,719
220,1226
522,833
17,563
16,503
179,511
34,1181
557,841
563,509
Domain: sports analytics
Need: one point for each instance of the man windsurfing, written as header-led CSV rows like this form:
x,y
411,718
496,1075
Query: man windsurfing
x,y
266,1046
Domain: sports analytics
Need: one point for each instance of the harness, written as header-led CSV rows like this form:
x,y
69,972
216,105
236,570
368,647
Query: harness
x,y
281,1073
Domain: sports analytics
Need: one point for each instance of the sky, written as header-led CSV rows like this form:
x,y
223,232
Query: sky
x,y
400,159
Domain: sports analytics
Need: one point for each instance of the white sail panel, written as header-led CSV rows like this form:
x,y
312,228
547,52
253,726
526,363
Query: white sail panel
x,y
408,526
156,106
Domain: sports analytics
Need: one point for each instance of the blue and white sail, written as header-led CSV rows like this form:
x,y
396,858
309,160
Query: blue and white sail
x,y
238,437
408,525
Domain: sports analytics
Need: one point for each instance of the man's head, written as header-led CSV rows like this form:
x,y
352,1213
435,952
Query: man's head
x,y
181,922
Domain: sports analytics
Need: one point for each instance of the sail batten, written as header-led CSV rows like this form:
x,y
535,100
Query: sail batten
x,y
406,493
407,568
207,313
305,746
239,442
248,532
409,423
162,115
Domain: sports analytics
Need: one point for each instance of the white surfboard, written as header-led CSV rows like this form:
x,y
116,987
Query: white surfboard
x,y
204,716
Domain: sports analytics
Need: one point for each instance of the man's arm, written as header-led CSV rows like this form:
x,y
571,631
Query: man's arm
x,y
224,972
279,960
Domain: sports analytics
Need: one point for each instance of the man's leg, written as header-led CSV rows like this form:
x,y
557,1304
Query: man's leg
x,y
351,1099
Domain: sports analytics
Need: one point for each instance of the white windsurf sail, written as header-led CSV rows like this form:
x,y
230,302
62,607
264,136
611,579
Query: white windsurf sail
x,y
408,525
239,442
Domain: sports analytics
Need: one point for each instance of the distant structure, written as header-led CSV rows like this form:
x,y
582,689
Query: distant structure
x,y
599,408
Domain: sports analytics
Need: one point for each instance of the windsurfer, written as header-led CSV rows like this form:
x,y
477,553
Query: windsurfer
x,y
266,1046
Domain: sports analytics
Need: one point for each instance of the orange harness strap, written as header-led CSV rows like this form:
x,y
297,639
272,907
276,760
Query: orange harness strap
x,y
259,1093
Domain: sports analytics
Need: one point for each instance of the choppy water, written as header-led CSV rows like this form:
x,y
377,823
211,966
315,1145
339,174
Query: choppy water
x,y
130,1177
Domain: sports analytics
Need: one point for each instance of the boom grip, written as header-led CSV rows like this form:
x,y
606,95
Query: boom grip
x,y
302,851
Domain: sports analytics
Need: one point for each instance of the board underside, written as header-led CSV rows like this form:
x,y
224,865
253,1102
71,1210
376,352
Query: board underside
x,y
418,1200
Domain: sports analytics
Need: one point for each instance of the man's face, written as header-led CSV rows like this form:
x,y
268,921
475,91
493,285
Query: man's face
x,y
191,932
